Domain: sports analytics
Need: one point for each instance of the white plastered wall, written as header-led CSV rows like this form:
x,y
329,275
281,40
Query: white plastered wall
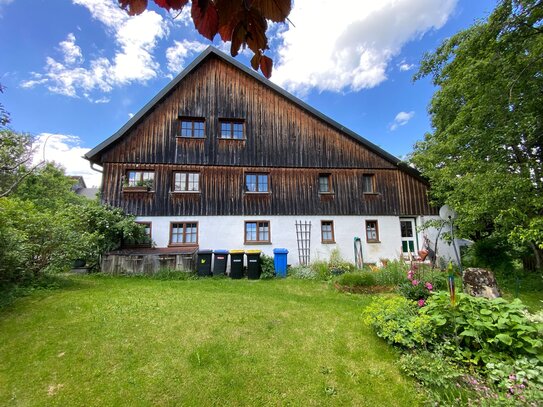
x,y
227,232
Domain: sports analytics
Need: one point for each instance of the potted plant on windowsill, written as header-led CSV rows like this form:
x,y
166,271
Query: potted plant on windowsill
x,y
140,186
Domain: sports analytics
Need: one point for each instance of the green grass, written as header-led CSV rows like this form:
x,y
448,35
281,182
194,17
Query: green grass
x,y
142,342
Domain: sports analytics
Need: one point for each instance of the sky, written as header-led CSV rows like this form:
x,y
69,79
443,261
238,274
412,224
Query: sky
x,y
75,71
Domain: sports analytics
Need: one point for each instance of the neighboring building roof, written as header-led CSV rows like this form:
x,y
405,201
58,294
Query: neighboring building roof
x,y
89,193
80,182
93,155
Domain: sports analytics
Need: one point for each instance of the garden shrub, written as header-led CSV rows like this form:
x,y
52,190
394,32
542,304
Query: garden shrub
x,y
396,320
393,273
267,267
478,329
337,265
360,279
302,273
321,270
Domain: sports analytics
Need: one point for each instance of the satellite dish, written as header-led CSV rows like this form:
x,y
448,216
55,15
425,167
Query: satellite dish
x,y
447,213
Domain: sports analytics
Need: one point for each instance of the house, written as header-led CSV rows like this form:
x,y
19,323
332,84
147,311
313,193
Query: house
x,y
222,158
80,188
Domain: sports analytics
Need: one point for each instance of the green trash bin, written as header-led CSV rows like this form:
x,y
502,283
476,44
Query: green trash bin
x,y
253,264
236,264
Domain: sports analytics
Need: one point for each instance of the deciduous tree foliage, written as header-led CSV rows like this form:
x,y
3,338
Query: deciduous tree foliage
x,y
243,22
484,157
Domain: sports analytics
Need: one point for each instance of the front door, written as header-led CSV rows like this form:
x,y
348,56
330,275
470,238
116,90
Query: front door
x,y
409,238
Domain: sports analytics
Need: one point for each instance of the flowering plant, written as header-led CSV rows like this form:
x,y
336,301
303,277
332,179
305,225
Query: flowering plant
x,y
415,289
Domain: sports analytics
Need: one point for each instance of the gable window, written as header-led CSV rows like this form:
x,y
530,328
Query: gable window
x,y
232,129
183,233
257,232
256,183
327,231
186,182
372,231
140,179
367,184
325,183
192,127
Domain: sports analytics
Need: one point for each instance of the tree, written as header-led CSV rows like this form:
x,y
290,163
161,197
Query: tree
x,y
484,157
243,22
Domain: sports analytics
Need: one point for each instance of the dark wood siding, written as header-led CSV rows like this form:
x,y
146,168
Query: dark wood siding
x,y
282,138
293,191
278,132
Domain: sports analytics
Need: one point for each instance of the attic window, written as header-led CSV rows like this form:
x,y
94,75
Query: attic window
x,y
368,184
232,129
192,127
325,184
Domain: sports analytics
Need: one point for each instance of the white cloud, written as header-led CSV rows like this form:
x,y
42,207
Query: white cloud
x,y
135,39
67,151
401,119
4,3
348,45
178,53
404,66
72,53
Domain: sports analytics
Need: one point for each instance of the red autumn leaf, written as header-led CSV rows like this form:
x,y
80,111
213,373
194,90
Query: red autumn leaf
x,y
266,65
205,17
171,4
256,28
238,38
230,12
134,7
274,10
255,61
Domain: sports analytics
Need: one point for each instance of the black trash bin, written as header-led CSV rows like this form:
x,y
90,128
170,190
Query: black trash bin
x,y
220,258
204,263
253,264
236,263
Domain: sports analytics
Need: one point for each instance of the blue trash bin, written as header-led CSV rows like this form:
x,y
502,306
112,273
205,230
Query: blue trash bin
x,y
280,262
220,259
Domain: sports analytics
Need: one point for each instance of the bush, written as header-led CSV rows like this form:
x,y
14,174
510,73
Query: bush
x,y
267,267
302,273
360,279
321,270
393,273
477,329
396,320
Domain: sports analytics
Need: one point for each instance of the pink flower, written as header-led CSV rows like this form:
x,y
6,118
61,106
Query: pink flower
x,y
421,303
415,282
410,274
429,286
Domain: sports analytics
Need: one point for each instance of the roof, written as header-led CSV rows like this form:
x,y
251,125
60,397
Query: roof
x,y
89,193
157,251
93,155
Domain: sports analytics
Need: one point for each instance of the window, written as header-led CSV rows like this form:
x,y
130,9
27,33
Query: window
x,y
192,127
184,233
256,183
186,182
140,179
367,184
232,129
372,231
257,232
147,226
325,183
327,231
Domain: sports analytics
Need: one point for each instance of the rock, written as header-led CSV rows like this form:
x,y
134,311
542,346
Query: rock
x,y
480,283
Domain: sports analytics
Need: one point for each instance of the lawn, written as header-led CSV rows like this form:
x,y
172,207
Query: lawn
x,y
141,342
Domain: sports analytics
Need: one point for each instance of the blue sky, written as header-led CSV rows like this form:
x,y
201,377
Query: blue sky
x,y
76,70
